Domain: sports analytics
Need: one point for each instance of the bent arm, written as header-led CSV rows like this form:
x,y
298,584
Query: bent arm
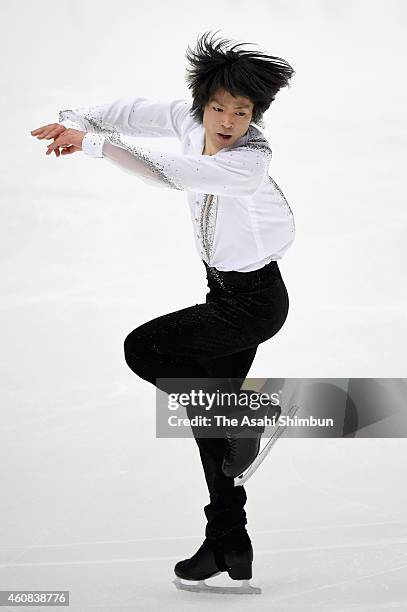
x,y
239,171
130,116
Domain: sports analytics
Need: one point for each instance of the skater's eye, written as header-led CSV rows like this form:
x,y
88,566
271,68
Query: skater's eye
x,y
220,109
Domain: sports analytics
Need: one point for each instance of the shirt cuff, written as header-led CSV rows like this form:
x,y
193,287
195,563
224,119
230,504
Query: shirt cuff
x,y
92,144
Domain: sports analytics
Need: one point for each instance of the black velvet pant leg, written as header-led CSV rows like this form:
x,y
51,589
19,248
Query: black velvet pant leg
x,y
225,513
217,339
151,359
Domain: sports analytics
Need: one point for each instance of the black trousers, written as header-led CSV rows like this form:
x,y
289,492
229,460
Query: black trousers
x,y
215,339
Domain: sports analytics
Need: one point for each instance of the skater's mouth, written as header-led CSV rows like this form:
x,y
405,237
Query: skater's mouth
x,y
224,136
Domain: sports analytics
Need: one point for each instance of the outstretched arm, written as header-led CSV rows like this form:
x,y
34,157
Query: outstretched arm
x,y
231,172
130,116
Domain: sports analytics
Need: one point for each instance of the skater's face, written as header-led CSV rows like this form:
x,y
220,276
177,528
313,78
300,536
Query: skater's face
x,y
225,114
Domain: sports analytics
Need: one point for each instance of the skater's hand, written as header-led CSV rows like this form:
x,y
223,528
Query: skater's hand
x,y
51,130
69,140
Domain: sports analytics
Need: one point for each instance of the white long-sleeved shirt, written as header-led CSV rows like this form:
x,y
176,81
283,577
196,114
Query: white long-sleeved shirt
x,y
241,218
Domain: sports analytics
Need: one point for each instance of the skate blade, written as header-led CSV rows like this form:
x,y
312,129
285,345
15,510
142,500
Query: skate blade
x,y
243,478
200,586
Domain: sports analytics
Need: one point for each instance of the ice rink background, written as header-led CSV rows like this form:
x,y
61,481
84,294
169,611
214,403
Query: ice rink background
x,y
92,502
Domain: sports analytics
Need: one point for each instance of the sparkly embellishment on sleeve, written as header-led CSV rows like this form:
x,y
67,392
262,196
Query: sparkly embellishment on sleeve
x,y
70,116
288,208
94,123
257,142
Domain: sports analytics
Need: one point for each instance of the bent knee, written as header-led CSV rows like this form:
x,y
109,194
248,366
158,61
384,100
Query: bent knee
x,y
132,343
134,349
141,354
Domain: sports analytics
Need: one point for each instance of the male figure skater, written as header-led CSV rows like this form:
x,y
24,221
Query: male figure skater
x,y
242,225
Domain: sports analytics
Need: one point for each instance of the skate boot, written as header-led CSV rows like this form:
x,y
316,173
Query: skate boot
x,y
208,561
243,443
213,558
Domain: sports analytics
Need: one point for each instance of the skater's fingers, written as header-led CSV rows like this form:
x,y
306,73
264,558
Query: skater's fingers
x,y
38,130
58,142
55,146
48,131
48,126
68,150
67,139
52,133
44,134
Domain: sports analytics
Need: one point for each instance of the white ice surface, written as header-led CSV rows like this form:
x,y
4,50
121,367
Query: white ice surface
x,y
91,501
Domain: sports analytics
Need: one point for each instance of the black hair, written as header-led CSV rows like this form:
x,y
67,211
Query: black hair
x,y
250,74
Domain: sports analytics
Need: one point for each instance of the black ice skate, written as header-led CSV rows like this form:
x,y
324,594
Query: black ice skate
x,y
243,443
210,561
260,457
